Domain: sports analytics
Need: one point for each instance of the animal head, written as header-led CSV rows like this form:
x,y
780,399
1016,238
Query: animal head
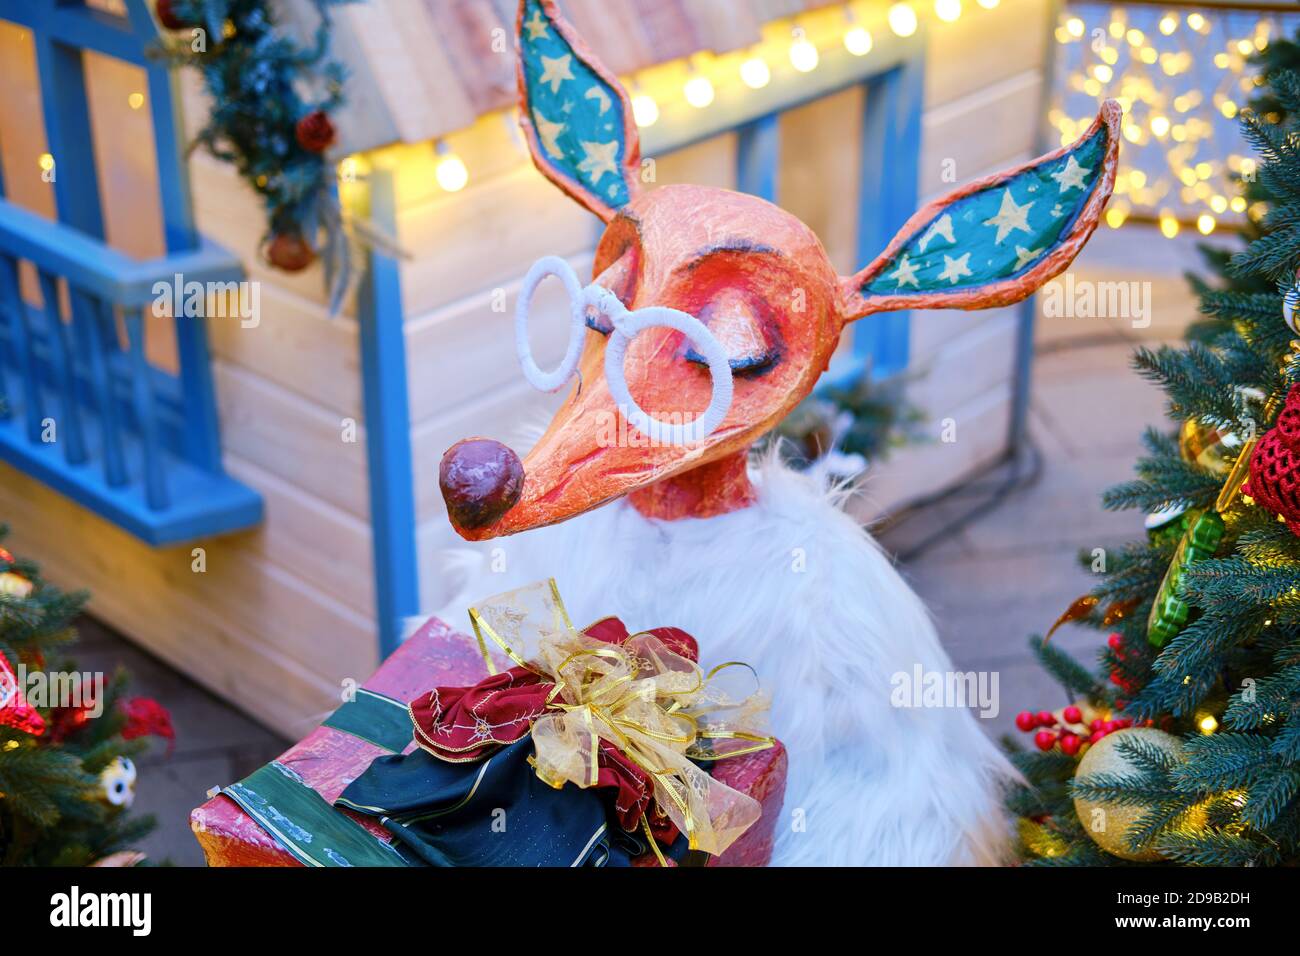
x,y
755,276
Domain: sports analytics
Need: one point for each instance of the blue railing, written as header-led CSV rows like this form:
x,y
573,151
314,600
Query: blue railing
x,y
82,408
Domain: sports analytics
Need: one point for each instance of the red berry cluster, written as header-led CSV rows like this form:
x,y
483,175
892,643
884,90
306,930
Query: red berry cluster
x,y
1069,732
1116,644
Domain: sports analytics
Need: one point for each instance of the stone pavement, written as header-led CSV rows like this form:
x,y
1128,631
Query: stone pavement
x,y
989,585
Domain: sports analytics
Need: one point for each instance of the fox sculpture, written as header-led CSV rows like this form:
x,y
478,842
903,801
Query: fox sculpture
x,y
710,315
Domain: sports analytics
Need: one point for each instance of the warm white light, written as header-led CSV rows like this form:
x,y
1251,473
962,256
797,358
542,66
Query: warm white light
x,y
902,19
1074,27
698,91
947,10
803,55
755,73
451,173
858,41
1168,23
1205,223
1208,724
1159,125
46,162
988,4
135,100
644,110
1168,225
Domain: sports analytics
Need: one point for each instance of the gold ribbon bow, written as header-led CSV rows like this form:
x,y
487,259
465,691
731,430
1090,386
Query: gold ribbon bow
x,y
659,709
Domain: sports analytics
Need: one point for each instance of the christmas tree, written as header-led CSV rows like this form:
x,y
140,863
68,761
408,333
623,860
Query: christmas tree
x,y
66,773
1185,746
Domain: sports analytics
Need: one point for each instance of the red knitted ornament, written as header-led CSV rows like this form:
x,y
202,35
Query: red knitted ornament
x,y
1275,465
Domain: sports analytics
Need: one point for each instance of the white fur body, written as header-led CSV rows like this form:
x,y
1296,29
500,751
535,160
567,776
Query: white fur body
x,y
794,587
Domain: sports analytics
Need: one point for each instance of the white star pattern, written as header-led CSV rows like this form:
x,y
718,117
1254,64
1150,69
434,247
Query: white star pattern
x,y
600,96
954,269
1070,176
600,159
905,274
1025,256
555,70
940,227
548,132
1010,217
536,26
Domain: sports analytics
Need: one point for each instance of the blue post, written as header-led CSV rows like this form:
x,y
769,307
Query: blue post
x,y
891,145
388,427
758,152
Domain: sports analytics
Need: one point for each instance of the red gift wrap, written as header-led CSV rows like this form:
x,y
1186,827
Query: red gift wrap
x,y
439,656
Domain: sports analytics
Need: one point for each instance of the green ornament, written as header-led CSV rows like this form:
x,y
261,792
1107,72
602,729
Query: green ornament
x,y
1202,532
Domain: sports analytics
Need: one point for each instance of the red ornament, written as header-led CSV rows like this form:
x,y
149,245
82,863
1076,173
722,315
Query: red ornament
x,y
5,556
1274,480
1046,719
66,721
1026,721
1116,643
290,251
145,717
1070,744
167,15
1072,715
1095,736
314,132
1044,740
15,712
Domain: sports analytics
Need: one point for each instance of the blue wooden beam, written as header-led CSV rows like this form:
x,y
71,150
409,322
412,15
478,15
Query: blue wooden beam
x,y
90,265
79,27
388,427
68,135
891,146
758,156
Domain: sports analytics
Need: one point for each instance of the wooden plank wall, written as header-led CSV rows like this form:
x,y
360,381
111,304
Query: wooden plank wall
x,y
283,614
984,75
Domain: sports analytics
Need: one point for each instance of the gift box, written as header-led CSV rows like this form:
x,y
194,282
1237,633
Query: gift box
x,y
376,722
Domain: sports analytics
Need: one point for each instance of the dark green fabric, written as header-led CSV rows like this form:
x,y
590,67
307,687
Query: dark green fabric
x,y
374,718
311,830
495,812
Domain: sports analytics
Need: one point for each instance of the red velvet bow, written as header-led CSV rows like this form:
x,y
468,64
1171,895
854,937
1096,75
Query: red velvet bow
x,y
463,724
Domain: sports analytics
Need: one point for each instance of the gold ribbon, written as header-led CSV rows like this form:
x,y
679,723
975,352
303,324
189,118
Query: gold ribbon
x,y
659,709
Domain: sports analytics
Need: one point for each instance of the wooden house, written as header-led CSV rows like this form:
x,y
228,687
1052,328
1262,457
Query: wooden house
x,y
257,502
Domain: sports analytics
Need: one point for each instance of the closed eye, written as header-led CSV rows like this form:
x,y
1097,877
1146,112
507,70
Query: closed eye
x,y
752,364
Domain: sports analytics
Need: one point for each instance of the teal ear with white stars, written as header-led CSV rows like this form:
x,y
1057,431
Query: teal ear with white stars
x,y
575,114
996,240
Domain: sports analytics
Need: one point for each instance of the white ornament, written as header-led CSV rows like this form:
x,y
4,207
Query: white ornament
x,y
118,781
1290,299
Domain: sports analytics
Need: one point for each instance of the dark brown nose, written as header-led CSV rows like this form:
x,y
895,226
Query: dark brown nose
x,y
481,480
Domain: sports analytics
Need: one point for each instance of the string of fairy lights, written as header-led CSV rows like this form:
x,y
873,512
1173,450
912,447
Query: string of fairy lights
x,y
791,41
1182,76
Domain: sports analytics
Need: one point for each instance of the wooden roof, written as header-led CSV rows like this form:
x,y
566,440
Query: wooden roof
x,y
423,68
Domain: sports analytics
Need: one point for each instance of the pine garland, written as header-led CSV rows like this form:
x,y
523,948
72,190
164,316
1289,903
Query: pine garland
x,y
272,99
